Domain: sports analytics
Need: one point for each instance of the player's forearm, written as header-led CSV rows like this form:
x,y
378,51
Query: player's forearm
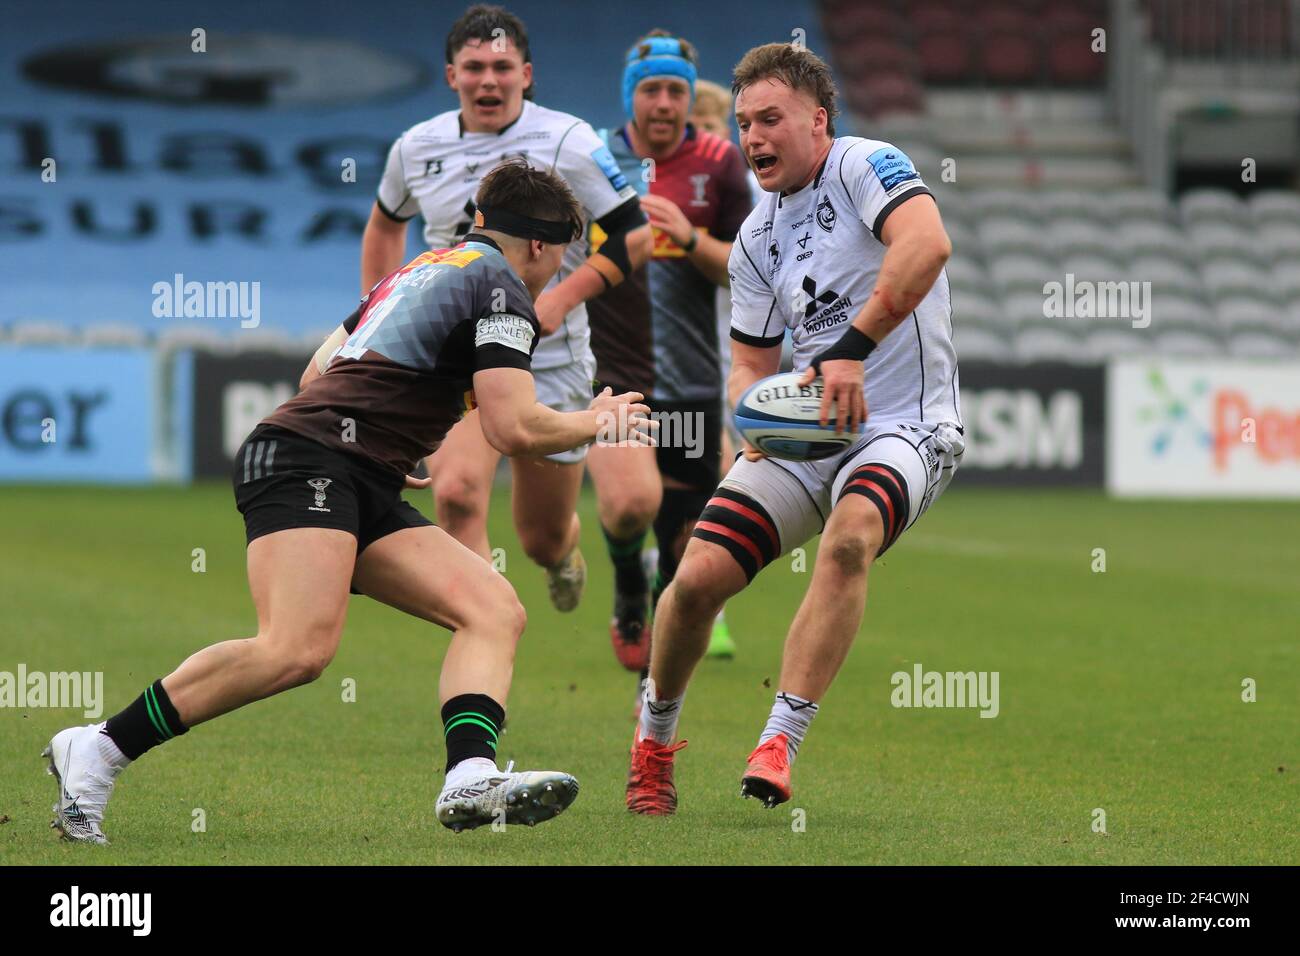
x,y
580,286
910,268
381,253
710,256
543,431
744,374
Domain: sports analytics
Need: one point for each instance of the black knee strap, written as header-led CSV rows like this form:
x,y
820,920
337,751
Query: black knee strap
x,y
885,487
740,524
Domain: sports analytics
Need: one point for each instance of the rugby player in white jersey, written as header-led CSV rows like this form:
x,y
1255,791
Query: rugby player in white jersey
x,y
847,251
433,170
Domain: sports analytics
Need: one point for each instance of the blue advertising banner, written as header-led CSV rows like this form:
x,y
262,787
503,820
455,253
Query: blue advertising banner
x,y
76,414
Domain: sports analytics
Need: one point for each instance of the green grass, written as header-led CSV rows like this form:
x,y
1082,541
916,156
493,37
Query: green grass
x,y
1119,690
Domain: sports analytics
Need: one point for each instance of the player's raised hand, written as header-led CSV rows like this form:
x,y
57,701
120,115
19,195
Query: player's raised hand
x,y
666,216
842,386
751,453
623,419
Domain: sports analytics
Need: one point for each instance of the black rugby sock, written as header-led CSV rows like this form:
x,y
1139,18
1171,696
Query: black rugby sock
x,y
149,721
471,723
629,575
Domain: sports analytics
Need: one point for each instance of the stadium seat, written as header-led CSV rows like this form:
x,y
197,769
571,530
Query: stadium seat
x,y
1144,205
1049,341
1280,241
1071,205
1092,267
1286,279
1261,28
114,334
1275,206
1222,240
1080,238
270,340
1022,272
41,332
192,336
1003,236
1211,205
1246,311
964,272
1071,60
946,57
1166,274
851,20
1189,343
1192,30
973,308
1016,204
1010,59
872,54
1028,308
1234,277
1259,343
953,202
934,15
1178,308
962,236
980,342
1115,338
884,93
1152,238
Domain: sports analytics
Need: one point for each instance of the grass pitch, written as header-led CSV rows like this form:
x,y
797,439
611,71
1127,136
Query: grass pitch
x,y
1119,691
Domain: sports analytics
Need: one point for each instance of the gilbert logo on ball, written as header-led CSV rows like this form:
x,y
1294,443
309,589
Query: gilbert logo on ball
x,y
779,417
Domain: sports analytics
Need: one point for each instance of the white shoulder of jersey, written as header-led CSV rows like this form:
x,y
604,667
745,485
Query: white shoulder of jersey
x,y
874,176
441,127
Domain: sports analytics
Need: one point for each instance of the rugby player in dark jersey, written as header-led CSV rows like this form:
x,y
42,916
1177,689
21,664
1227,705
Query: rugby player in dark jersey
x,y
319,484
657,333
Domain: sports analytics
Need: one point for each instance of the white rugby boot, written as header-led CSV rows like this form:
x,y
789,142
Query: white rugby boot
x,y
566,581
476,799
85,780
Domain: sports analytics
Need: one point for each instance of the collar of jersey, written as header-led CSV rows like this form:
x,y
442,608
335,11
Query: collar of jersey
x,y
816,183
480,238
460,122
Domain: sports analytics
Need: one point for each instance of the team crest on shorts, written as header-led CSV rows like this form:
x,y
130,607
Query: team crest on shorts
x,y
319,484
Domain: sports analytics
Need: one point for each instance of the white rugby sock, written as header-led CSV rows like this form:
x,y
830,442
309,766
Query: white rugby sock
x,y
108,750
791,716
658,717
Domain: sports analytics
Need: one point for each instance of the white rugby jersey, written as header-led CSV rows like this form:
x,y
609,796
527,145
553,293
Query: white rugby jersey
x,y
434,169
808,261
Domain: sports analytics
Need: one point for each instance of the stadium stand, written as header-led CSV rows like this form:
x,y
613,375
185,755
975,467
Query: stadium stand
x,y
1023,136
229,165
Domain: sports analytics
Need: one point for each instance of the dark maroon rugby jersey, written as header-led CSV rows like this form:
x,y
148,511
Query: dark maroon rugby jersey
x,y
657,332
406,373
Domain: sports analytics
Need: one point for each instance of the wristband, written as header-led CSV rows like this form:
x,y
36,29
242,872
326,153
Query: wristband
x,y
694,241
853,345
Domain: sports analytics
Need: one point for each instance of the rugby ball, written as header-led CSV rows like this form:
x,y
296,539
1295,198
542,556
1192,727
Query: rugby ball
x,y
778,416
